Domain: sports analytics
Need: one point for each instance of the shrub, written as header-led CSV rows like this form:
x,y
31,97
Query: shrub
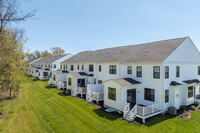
x,y
193,107
199,105
183,107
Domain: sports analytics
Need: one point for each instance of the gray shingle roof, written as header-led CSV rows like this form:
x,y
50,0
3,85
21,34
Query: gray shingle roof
x,y
153,52
50,59
75,57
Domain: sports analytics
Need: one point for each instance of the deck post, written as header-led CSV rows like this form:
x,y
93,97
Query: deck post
x,y
143,120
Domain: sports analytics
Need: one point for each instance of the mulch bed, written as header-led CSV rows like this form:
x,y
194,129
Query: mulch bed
x,y
186,112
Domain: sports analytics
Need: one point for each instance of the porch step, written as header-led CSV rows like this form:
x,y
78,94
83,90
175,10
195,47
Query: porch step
x,y
128,117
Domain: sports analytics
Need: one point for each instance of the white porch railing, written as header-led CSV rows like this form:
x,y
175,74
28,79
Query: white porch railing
x,y
141,111
50,81
126,109
61,85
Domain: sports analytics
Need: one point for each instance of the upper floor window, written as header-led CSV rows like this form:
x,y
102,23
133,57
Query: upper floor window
x,y
82,67
72,68
177,71
78,67
95,81
156,72
139,71
198,70
54,65
64,67
112,69
149,94
91,68
129,70
99,68
61,67
166,72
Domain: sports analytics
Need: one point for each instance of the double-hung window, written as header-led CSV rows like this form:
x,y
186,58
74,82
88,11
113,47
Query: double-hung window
x,y
190,91
112,69
177,71
91,68
139,71
198,70
149,94
99,68
112,93
129,69
166,72
72,67
156,72
166,96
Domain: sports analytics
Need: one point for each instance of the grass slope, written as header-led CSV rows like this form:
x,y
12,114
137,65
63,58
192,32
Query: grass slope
x,y
45,110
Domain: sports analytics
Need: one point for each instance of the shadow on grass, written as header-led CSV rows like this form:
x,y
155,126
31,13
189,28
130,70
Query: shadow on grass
x,y
62,94
157,119
48,87
110,116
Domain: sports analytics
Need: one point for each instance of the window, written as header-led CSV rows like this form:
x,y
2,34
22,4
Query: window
x,y
149,94
51,65
54,65
48,66
54,77
99,81
78,67
72,67
198,70
112,93
139,71
61,67
99,68
45,65
156,72
64,67
129,70
112,69
91,68
95,81
69,81
166,72
166,96
82,67
177,71
190,91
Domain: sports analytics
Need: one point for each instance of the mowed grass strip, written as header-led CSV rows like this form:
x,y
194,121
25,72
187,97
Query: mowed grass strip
x,y
40,109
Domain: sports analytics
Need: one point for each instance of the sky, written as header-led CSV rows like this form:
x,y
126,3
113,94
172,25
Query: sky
x,y
79,25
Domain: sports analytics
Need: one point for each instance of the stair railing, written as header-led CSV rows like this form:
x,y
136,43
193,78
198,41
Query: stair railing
x,y
126,109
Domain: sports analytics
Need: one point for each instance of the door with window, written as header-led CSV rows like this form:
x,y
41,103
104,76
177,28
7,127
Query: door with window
x,y
131,97
81,82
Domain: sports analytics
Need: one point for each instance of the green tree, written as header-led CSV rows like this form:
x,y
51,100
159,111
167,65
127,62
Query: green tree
x,y
57,51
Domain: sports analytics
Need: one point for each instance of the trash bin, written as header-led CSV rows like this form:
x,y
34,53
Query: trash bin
x,y
172,110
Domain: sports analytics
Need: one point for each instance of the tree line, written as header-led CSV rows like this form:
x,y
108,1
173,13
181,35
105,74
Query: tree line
x,y
13,61
38,54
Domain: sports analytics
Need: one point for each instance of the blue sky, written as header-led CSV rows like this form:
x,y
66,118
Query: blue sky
x,y
78,25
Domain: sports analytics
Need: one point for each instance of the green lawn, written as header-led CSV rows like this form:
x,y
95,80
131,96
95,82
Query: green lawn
x,y
40,109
